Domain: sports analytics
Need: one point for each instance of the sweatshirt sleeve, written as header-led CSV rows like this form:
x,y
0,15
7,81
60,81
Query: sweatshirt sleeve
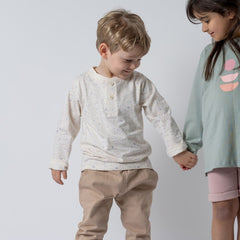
x,y
158,113
193,127
67,130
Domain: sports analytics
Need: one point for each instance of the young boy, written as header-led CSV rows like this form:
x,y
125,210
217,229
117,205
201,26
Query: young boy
x,y
108,101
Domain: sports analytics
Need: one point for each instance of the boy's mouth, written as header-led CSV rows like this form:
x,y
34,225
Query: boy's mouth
x,y
128,71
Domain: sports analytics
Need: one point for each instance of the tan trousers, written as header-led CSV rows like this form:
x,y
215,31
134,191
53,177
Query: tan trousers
x,y
132,191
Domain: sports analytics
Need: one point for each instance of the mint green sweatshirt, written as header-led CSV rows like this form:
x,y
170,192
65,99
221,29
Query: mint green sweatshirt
x,y
213,117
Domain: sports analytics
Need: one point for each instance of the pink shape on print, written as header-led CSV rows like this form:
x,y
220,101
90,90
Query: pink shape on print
x,y
229,87
229,77
229,64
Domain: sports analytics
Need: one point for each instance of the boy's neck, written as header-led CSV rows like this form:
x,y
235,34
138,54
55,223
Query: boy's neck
x,y
103,70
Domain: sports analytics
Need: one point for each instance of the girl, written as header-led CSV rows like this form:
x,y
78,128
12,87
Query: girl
x,y
213,118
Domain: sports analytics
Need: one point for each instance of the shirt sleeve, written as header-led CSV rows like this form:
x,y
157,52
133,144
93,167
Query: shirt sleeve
x,y
158,113
193,127
67,130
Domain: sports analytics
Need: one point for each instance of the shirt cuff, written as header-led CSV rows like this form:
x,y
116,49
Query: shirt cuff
x,y
176,149
58,164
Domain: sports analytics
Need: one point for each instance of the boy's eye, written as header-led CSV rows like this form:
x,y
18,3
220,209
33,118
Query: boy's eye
x,y
130,61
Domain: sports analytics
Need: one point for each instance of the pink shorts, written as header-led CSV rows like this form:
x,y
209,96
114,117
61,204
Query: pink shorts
x,y
223,184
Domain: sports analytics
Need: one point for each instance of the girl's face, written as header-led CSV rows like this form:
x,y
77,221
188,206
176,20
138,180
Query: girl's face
x,y
216,25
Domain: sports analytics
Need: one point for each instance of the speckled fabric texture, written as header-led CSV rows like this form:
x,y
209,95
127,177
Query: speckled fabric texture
x,y
109,111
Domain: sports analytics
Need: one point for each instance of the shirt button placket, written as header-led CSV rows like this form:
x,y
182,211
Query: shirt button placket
x,y
111,101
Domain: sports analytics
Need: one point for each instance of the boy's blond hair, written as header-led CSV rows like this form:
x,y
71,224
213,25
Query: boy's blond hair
x,y
120,29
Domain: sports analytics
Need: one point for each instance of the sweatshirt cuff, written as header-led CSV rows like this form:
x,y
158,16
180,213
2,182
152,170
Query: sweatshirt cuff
x,y
176,149
58,164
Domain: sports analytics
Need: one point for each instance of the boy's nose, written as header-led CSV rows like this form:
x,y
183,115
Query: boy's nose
x,y
134,66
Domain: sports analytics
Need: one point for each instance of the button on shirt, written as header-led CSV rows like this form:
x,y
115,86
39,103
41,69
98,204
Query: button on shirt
x,y
109,111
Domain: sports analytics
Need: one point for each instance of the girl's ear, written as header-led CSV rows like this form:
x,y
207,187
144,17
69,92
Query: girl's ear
x,y
104,50
231,14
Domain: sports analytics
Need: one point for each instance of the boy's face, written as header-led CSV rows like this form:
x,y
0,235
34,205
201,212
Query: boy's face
x,y
121,63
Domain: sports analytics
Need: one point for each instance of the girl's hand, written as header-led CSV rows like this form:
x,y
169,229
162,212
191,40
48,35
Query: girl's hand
x,y
57,176
184,168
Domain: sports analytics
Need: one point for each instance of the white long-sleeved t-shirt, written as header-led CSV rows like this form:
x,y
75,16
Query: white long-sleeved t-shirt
x,y
109,111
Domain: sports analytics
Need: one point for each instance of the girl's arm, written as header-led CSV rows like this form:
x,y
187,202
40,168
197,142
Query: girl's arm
x,y
193,127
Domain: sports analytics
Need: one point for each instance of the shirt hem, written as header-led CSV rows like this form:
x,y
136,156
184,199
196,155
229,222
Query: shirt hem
x,y
111,166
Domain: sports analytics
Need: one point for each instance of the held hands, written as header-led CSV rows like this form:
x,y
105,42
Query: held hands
x,y
186,160
57,176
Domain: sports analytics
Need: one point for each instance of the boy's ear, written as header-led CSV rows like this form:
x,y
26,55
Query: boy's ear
x,y
104,50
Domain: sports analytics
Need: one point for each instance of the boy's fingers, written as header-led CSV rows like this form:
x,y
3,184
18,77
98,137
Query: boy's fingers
x,y
195,157
64,173
192,164
192,155
57,177
59,181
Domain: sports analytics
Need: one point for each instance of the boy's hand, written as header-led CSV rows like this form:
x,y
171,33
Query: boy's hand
x,y
57,176
186,160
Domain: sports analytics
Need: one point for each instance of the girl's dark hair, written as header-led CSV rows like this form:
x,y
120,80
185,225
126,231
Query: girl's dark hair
x,y
221,7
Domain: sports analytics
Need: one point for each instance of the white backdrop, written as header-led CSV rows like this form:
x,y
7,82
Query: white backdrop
x,y
44,45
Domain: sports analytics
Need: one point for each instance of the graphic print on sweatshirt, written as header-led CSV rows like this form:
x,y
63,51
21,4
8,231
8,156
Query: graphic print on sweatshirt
x,y
228,79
